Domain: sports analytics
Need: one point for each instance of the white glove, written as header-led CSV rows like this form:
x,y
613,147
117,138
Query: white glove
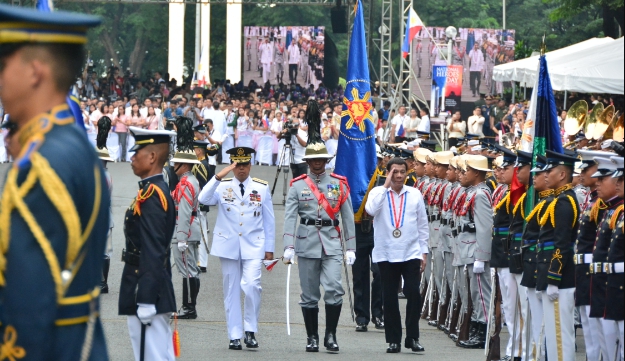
x,y
350,258
182,246
539,295
553,292
146,313
478,267
288,256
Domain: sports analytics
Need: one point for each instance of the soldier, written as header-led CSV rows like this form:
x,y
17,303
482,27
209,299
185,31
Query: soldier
x,y
584,245
146,293
608,201
54,212
555,276
187,235
474,238
408,156
203,172
244,235
530,239
616,256
367,298
318,245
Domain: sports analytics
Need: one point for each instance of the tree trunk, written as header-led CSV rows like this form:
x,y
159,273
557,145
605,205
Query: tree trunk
x,y
138,54
619,15
609,25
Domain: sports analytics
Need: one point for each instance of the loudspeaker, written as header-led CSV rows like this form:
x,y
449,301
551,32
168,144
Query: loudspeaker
x,y
339,20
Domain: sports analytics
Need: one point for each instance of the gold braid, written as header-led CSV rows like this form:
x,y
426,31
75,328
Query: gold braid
x,y
615,215
594,211
520,203
506,201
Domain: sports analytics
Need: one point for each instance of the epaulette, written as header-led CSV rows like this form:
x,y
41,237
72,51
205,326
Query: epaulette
x,y
338,176
298,178
260,181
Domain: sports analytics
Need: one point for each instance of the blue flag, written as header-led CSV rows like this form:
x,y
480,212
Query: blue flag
x,y
44,5
547,132
356,154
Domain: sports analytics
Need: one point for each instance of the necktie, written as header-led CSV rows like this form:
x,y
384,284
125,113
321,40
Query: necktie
x,y
242,189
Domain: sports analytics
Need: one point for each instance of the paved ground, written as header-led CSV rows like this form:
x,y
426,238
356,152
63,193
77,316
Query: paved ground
x,y
205,338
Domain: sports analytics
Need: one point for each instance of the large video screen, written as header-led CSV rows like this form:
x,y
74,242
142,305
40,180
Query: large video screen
x,y
476,50
283,55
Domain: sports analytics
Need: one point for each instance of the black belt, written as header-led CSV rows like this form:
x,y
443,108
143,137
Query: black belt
x,y
204,208
193,214
445,222
435,218
320,222
468,228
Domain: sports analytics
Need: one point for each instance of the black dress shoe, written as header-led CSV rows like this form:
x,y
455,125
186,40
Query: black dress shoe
x,y
361,327
393,348
187,313
104,288
312,344
203,269
330,343
235,345
379,324
250,340
416,346
433,323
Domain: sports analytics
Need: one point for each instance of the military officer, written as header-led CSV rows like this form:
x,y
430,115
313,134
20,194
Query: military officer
x,y
608,201
317,241
146,293
475,225
186,240
53,230
584,245
244,235
530,240
408,156
555,276
616,256
203,172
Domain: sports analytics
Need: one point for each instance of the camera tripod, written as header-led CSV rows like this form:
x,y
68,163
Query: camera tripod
x,y
287,147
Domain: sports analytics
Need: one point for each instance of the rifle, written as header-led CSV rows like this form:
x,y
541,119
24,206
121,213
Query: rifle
x,y
433,299
493,348
465,325
450,310
441,316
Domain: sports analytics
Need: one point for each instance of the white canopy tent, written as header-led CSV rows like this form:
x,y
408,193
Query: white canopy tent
x,y
594,65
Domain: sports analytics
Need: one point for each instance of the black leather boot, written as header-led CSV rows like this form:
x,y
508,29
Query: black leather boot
x,y
479,339
187,311
104,288
333,313
311,320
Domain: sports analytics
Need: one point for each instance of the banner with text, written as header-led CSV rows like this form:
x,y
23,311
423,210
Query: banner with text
x,y
446,88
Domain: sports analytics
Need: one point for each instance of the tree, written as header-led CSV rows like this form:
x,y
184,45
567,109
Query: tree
x,y
610,11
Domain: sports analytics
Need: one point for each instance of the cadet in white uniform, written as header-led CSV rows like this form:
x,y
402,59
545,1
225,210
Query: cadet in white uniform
x,y
244,235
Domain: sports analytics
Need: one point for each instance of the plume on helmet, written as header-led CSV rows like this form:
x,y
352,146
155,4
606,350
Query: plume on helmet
x,y
184,130
313,120
104,126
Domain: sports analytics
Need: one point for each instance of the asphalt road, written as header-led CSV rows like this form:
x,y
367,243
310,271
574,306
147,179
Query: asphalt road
x,y
206,337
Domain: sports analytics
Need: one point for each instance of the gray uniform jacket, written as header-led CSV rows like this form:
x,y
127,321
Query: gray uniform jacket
x,y
432,210
475,225
445,238
310,241
186,200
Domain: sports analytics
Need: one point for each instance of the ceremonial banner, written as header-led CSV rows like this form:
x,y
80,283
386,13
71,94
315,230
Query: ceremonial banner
x,y
413,27
356,155
446,88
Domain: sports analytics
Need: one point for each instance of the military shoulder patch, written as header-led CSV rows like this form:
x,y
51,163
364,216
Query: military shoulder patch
x,y
260,181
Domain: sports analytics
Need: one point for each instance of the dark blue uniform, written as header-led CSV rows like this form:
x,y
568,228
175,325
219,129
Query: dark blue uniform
x,y
53,234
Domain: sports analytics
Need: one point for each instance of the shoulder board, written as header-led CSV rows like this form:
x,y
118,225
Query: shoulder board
x,y
226,179
338,177
298,178
260,181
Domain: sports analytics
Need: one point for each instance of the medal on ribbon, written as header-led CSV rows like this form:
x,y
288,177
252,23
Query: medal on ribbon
x,y
397,218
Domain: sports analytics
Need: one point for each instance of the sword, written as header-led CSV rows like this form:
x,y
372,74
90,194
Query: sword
x,y
516,315
203,237
186,270
349,288
452,301
491,314
142,347
528,330
288,287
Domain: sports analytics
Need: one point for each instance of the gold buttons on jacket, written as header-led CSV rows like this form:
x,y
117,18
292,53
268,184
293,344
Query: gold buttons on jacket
x,y
240,234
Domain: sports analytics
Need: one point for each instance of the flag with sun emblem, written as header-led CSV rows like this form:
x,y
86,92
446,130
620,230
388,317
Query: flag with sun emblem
x,y
356,154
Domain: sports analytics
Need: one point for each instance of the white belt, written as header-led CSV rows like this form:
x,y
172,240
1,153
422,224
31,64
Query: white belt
x,y
610,268
583,258
596,267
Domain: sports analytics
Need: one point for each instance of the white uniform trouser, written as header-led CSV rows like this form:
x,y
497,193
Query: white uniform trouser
x,y
266,72
241,275
536,308
620,337
158,338
610,330
559,325
203,258
509,288
521,319
593,334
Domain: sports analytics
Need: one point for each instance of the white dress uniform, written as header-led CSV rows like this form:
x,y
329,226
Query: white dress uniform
x,y
244,231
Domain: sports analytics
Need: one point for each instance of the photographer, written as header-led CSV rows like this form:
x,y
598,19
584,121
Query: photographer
x,y
192,112
90,79
298,165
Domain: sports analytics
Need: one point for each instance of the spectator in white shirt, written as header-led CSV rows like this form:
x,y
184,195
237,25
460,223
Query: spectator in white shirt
x,y
412,124
424,124
398,126
383,133
476,67
294,58
401,235
475,122
457,129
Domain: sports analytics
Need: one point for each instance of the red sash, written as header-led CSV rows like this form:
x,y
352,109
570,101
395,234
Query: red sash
x,y
323,201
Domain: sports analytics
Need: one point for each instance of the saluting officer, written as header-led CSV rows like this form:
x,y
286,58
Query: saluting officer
x,y
591,214
608,201
244,235
318,199
54,209
555,276
474,239
616,257
146,293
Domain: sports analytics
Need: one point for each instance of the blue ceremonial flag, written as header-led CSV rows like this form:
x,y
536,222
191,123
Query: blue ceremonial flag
x,y
44,5
356,154
547,131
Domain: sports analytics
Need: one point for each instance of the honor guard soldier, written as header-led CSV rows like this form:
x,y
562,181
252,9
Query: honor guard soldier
x,y
318,199
555,276
616,257
530,240
608,201
420,156
474,239
408,156
146,293
54,210
368,295
187,236
203,172
243,237
584,245
104,126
